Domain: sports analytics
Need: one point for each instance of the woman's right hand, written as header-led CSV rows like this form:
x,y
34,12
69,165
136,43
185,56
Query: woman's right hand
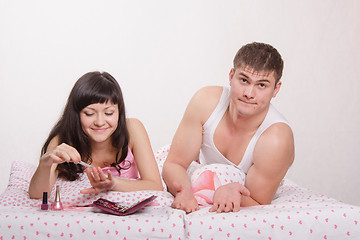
x,y
45,175
61,153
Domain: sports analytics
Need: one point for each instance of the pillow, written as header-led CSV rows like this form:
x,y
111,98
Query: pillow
x,y
160,157
205,179
16,193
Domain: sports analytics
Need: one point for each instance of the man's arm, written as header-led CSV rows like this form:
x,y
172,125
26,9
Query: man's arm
x,y
273,155
186,145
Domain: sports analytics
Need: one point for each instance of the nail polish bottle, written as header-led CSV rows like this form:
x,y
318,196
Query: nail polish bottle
x,y
57,205
44,205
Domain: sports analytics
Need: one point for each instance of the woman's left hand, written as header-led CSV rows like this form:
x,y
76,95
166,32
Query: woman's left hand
x,y
98,181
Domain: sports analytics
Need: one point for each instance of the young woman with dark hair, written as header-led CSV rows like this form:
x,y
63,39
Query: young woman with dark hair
x,y
94,129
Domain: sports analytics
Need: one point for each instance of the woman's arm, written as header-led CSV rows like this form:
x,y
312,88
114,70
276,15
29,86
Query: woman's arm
x,y
141,148
45,175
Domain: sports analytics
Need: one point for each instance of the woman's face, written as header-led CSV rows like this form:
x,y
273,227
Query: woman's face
x,y
99,121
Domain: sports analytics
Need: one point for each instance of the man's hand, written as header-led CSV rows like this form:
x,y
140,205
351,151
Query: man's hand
x,y
184,199
227,198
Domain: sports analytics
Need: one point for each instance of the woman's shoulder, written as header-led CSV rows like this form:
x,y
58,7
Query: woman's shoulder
x,y
133,123
136,130
54,142
134,126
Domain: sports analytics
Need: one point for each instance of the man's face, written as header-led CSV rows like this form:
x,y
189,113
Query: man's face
x,y
251,92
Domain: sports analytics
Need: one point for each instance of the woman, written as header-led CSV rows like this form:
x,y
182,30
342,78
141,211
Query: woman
x,y
93,129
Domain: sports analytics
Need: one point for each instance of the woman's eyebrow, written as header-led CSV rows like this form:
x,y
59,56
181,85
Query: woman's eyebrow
x,y
107,107
112,106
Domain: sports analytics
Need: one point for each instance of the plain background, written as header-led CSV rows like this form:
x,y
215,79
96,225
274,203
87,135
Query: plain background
x,y
162,51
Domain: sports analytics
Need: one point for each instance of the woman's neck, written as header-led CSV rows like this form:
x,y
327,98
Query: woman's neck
x,y
103,154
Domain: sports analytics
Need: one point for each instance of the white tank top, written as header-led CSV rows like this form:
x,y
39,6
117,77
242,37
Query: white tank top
x,y
209,154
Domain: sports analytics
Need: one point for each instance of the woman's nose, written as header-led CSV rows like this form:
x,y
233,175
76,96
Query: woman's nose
x,y
99,121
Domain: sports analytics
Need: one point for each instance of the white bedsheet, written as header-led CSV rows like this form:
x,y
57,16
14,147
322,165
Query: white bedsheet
x,y
295,213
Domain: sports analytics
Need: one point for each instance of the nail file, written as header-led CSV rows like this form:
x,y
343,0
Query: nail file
x,y
85,164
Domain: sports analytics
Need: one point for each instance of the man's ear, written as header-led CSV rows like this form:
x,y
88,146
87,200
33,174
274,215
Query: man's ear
x,y
277,88
231,74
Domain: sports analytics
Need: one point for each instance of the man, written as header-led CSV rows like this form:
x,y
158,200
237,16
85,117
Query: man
x,y
238,126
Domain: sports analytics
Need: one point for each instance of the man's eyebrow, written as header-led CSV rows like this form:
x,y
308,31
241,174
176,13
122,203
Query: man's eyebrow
x,y
243,74
261,80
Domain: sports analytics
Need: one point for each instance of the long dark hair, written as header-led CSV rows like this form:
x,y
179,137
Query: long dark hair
x,y
93,87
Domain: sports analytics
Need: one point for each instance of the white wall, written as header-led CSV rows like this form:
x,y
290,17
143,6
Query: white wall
x,y
162,51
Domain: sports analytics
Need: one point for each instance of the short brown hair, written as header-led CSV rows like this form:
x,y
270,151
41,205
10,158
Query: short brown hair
x,y
260,57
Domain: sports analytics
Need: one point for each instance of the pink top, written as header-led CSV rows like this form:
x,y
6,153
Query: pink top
x,y
128,168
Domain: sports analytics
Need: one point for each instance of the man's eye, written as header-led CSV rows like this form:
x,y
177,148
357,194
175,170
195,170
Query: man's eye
x,y
243,80
261,85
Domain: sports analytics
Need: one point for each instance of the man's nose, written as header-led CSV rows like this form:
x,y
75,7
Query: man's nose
x,y
249,92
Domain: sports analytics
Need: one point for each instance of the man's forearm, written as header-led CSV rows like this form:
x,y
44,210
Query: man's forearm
x,y
248,202
174,173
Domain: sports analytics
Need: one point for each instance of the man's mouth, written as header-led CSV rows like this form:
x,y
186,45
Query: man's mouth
x,y
246,102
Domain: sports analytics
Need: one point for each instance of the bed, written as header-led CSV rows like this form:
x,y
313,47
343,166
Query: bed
x,y
295,213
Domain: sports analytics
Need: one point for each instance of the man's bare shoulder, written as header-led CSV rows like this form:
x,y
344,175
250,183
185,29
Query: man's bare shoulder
x,y
278,133
210,90
272,157
204,101
277,144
